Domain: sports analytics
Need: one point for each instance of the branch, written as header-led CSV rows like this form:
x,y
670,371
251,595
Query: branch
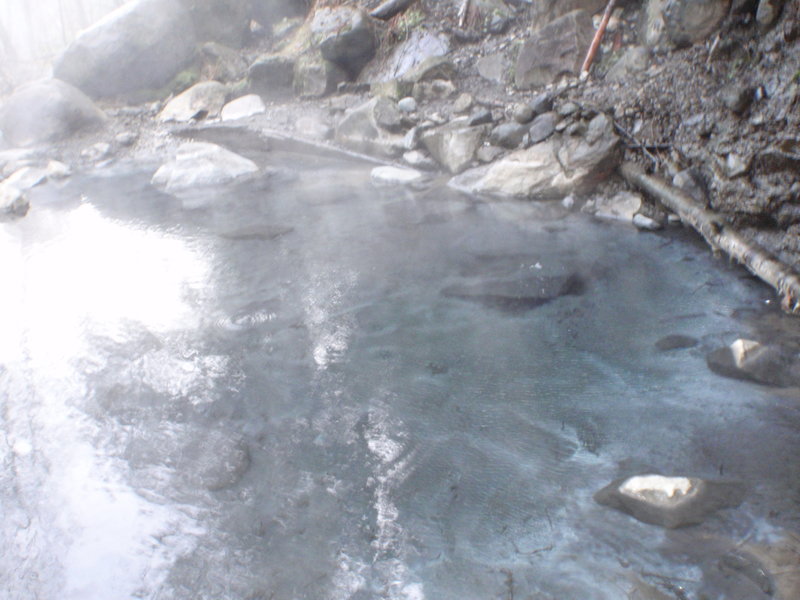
x,y
721,235
598,37
390,8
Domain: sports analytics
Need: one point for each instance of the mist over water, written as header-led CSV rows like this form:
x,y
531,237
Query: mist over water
x,y
278,395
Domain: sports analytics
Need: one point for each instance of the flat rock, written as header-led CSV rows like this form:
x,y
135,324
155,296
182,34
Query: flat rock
x,y
47,111
243,107
200,165
670,502
763,363
140,46
420,45
622,206
201,101
390,176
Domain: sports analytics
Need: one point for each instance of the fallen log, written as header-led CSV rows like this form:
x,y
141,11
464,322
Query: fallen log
x,y
390,8
720,235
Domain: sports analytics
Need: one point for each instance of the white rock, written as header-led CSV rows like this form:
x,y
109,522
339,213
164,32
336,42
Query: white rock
x,y
407,104
202,100
58,170
13,202
622,206
394,176
243,107
26,178
657,488
741,349
201,165
419,160
646,223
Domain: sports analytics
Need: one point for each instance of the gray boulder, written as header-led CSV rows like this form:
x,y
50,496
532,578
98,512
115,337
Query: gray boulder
x,y
345,37
542,127
557,49
360,130
670,502
271,76
455,144
202,100
47,111
419,46
508,135
199,166
750,360
315,77
551,169
140,46
690,21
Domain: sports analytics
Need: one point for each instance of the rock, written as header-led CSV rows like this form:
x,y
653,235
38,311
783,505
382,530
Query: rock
x,y
315,77
508,135
768,12
224,21
430,69
567,109
407,104
542,127
670,502
454,145
522,113
463,104
555,50
345,37
736,165
313,128
646,223
420,45
270,13
418,160
200,165
635,60
550,169
140,46
390,176
651,23
494,67
388,115
47,111
243,107
13,202
750,360
201,101
57,170
359,130
487,154
737,98
393,88
691,182
545,11
222,63
482,116
676,342
96,152
438,89
690,21
271,76
622,206
541,103
517,294
26,178
126,138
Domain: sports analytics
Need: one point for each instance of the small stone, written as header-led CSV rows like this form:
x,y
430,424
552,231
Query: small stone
x,y
407,104
13,203
58,170
126,138
768,12
508,135
568,108
480,117
568,202
737,98
736,165
645,223
463,103
522,113
543,127
622,206
541,103
390,176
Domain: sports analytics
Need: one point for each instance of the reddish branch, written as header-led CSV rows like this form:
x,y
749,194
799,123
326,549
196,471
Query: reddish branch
x,y
598,37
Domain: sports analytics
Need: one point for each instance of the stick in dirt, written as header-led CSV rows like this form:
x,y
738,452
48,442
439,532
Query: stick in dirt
x,y
390,8
598,37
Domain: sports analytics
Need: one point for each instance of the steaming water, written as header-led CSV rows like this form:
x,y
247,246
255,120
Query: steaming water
x,y
272,398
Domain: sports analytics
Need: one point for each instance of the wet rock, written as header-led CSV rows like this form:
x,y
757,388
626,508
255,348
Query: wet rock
x,y
390,176
13,202
772,565
140,46
407,104
47,111
622,206
522,113
454,145
223,63
556,50
243,107
272,76
224,21
670,502
508,135
690,21
646,223
463,104
359,130
750,360
567,109
200,165
518,294
768,12
747,566
542,127
201,101
345,37
676,342
315,77
494,67
635,60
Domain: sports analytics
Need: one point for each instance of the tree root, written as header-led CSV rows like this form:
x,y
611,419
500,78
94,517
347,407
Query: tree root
x,y
390,8
721,236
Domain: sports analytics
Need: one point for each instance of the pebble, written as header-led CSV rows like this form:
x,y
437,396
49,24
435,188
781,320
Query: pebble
x,y
407,104
640,221
394,176
522,113
541,103
480,117
463,103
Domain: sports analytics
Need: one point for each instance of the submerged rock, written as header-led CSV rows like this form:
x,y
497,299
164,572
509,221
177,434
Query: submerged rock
x,y
201,101
140,46
753,361
47,111
676,342
199,165
384,176
670,502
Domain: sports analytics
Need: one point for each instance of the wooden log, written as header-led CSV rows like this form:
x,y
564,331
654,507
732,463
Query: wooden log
x,y
720,235
390,8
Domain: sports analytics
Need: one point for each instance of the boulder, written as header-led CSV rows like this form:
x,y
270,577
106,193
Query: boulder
x,y
140,46
768,12
634,60
622,206
271,76
494,67
201,101
391,176
551,169
545,11
454,145
345,37
670,502
763,363
315,77
224,21
200,165
542,127
508,135
420,45
557,49
361,131
243,107
430,69
223,63
690,21
47,111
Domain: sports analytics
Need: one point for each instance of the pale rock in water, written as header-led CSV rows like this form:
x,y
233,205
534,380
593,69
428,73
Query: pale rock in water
x,y
622,206
388,176
243,107
763,363
201,101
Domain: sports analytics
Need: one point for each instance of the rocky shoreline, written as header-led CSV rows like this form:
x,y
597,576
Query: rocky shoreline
x,y
489,93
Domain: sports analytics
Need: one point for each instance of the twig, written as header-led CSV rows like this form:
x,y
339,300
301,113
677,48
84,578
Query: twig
x,y
462,13
636,142
720,235
598,37
390,8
